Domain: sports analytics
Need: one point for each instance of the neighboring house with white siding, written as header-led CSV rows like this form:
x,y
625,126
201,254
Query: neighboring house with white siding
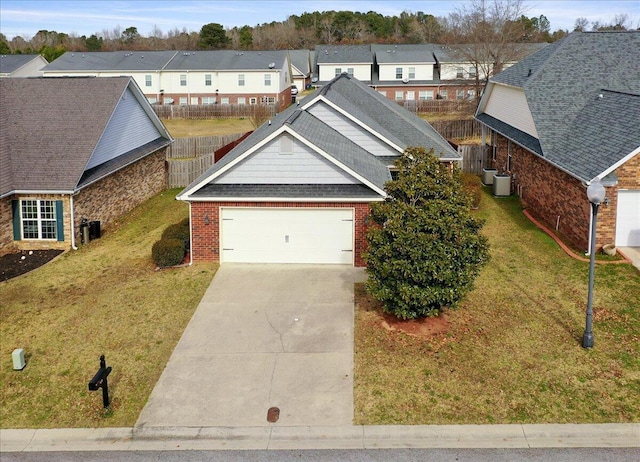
x,y
564,116
21,65
190,77
95,157
298,189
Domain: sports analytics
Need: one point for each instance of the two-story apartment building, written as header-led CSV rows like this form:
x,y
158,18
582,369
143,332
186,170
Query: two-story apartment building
x,y
190,77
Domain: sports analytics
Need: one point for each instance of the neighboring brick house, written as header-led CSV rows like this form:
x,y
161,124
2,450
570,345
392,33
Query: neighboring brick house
x,y
21,65
96,156
564,116
189,77
298,189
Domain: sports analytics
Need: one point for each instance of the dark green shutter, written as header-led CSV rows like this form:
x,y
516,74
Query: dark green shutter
x,y
59,221
15,206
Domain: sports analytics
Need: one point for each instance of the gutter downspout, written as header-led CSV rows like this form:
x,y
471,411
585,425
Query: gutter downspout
x,y
190,236
72,224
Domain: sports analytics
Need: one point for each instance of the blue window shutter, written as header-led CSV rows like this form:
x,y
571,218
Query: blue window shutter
x,y
59,221
15,206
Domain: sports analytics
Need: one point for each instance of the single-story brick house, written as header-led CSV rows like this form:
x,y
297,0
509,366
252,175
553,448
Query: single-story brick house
x,y
74,148
564,116
298,189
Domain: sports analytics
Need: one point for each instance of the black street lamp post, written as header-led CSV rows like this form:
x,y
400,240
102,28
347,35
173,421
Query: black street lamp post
x,y
595,193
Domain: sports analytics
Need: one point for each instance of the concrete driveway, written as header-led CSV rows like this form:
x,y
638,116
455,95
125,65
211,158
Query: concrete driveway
x,y
263,336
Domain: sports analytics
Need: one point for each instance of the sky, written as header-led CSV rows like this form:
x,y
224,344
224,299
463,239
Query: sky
x,y
83,17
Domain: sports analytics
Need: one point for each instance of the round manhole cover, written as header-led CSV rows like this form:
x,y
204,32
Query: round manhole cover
x,y
273,414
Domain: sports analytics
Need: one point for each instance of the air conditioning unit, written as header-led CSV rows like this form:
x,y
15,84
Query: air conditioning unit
x,y
487,176
501,185
18,359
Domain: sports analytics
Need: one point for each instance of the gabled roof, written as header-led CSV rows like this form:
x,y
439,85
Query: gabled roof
x,y
344,54
111,61
459,53
11,63
375,114
301,60
584,94
52,126
403,54
228,60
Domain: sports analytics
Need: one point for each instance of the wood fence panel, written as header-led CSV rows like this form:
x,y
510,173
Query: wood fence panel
x,y
474,158
211,111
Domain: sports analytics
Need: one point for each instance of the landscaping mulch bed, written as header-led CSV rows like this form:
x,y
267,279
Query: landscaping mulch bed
x,y
15,264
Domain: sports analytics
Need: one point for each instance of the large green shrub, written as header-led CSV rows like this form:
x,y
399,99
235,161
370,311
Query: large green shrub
x,y
177,231
168,252
425,248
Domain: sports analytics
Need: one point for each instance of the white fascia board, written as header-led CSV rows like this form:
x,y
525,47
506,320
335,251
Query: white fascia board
x,y
354,119
284,199
622,161
185,195
335,162
484,99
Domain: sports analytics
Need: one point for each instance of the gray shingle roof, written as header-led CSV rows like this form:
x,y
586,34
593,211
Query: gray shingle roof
x,y
297,191
374,110
11,63
578,130
223,60
344,54
111,61
50,128
301,60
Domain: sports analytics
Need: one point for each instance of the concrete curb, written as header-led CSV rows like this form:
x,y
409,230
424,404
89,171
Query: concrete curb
x,y
346,437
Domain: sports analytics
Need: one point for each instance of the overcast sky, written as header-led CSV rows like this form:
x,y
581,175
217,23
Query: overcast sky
x,y
26,17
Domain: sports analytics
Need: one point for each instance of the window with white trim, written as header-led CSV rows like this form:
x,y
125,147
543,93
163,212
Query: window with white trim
x,y
459,94
399,95
183,80
459,73
338,71
38,219
426,95
194,100
207,80
443,94
147,80
241,80
472,72
267,80
242,100
509,154
224,100
253,100
350,71
268,100
208,100
412,72
183,101
398,73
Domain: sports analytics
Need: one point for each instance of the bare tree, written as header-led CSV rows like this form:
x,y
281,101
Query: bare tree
x,y
491,34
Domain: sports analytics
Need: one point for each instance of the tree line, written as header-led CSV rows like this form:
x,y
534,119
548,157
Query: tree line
x,y
503,20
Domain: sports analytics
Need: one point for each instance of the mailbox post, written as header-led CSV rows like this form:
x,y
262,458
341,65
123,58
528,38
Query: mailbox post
x,y
100,381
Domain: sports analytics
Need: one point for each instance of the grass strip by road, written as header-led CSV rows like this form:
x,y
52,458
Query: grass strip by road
x,y
512,352
105,298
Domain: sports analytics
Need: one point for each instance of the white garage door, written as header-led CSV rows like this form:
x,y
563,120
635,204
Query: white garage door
x,y
268,235
628,219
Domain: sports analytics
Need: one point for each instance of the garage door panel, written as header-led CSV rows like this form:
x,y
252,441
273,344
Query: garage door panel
x,y
628,219
287,235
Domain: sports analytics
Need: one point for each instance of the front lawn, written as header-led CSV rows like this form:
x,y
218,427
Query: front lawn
x,y
105,298
511,353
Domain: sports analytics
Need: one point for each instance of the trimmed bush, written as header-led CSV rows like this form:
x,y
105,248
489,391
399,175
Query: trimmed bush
x,y
473,185
168,252
177,231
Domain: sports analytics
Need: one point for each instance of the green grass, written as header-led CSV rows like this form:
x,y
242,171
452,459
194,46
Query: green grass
x,y
512,352
106,298
185,128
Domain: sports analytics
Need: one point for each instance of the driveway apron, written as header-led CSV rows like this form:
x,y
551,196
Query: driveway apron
x,y
263,336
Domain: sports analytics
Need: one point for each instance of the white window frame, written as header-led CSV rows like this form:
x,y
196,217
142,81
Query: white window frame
x,y
39,220
148,80
412,72
194,100
253,100
399,73
241,81
399,95
426,95
207,80
444,94
460,94
207,100
350,71
267,80
183,80
472,72
337,71
183,101
224,100
242,100
459,73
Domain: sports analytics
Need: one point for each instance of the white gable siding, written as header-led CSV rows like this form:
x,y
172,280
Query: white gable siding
x,y
129,128
423,71
327,72
351,130
285,160
509,105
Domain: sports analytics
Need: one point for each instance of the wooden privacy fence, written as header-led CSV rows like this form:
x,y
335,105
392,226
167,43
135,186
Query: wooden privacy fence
x,y
212,111
458,129
474,158
188,158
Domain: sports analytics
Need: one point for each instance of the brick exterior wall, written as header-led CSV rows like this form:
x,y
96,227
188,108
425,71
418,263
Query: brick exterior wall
x,y
283,98
120,192
560,200
104,200
205,245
